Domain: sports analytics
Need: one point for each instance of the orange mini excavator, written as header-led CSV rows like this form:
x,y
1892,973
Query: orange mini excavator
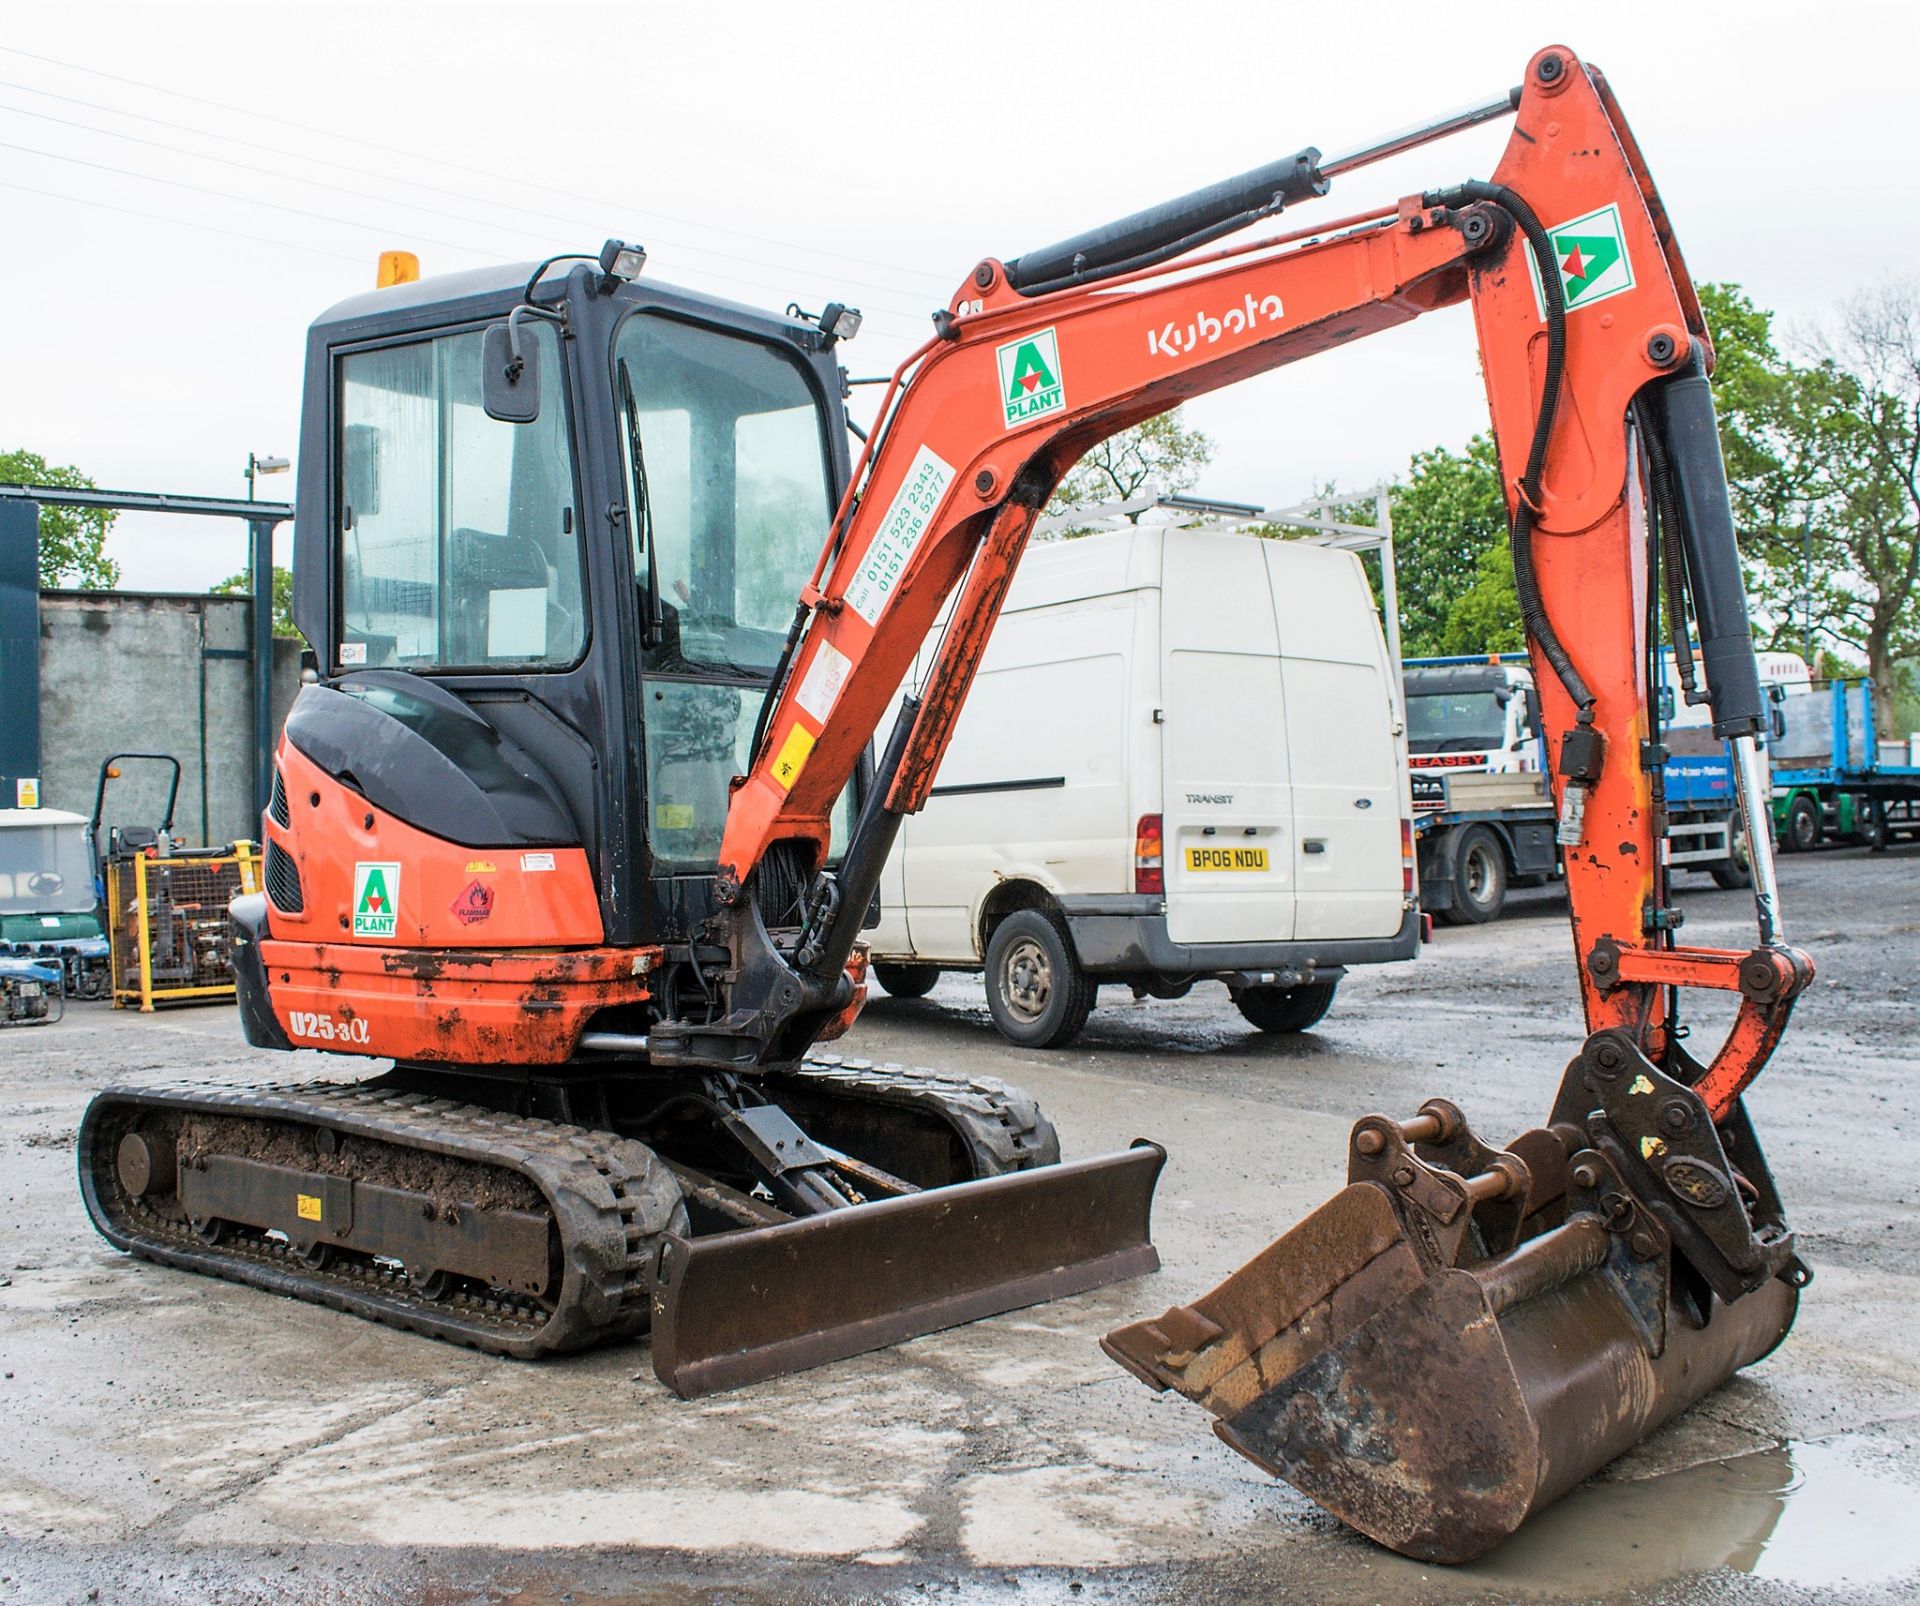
x,y
579,829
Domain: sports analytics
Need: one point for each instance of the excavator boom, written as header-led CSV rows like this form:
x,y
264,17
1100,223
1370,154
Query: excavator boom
x,y
1465,1331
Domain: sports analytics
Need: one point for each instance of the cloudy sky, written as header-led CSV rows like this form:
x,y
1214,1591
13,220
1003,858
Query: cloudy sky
x,y
186,185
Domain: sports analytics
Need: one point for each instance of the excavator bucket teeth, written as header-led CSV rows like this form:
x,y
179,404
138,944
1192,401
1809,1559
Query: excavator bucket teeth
x,y
739,1307
1435,1408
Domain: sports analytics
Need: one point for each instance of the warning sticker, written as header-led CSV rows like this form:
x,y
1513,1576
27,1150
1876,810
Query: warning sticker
x,y
908,516
827,674
474,904
307,1205
793,757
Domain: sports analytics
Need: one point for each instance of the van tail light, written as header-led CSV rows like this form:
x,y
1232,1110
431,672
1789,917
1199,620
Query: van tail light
x,y
1149,860
1408,875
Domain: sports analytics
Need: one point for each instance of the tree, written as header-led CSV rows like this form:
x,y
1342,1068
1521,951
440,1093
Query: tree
x,y
241,584
1823,461
1162,453
72,539
1486,616
1454,569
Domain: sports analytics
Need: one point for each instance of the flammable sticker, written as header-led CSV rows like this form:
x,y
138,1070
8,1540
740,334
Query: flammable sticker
x,y
376,899
793,757
473,904
908,516
824,678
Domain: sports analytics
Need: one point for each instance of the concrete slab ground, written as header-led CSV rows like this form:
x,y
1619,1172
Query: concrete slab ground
x,y
167,1438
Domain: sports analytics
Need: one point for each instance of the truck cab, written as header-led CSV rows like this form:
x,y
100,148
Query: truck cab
x,y
1473,715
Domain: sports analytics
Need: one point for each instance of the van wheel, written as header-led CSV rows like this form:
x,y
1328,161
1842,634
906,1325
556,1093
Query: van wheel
x,y
1285,1009
907,981
1803,824
1736,870
1479,879
1036,991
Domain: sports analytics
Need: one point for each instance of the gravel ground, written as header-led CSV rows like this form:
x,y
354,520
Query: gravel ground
x,y
175,1439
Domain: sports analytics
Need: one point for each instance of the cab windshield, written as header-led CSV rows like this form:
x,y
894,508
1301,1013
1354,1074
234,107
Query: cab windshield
x,y
1455,721
727,466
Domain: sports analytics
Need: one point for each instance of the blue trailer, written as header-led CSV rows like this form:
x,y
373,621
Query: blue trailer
x,y
1835,779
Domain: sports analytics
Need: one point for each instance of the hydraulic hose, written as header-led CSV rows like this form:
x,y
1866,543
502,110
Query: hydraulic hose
x,y
1533,612
1651,429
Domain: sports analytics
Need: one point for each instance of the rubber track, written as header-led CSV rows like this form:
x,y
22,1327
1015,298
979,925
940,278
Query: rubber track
x,y
1000,1124
611,1197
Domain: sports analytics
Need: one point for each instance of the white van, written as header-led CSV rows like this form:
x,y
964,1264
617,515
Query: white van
x,y
1181,761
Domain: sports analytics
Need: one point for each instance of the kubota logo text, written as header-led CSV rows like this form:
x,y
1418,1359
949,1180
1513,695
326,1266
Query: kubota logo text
x,y
1030,382
1207,329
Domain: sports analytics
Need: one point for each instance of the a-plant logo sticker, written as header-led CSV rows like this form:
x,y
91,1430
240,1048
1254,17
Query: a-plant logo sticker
x,y
1030,382
1592,254
376,900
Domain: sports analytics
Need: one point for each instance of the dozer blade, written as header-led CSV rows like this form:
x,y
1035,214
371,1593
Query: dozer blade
x,y
1432,1379
738,1307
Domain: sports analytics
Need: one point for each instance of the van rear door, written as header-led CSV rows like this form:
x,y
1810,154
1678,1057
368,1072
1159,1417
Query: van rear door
x,y
1349,772
1227,802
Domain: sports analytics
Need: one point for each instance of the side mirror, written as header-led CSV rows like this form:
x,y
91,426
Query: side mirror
x,y
509,374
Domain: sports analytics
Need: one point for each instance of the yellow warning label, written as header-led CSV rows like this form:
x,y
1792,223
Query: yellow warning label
x,y
308,1206
481,867
793,757
674,816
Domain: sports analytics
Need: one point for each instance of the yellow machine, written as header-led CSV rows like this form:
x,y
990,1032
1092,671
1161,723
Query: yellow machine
x,y
166,904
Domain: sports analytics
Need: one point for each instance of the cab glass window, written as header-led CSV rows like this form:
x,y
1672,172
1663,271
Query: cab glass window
x,y
458,537
699,735
727,465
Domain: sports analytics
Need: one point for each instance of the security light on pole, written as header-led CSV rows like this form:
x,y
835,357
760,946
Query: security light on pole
x,y
257,464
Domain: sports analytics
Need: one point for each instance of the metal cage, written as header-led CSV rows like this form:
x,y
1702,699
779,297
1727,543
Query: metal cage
x,y
167,924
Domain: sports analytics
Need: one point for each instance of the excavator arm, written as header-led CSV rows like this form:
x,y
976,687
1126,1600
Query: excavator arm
x,y
1595,375
1465,1331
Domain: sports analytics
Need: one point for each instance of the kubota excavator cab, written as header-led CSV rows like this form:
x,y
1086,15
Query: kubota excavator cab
x,y
563,627
551,528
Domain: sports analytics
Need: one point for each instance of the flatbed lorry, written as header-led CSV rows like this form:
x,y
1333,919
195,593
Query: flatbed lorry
x,y
1835,779
1483,821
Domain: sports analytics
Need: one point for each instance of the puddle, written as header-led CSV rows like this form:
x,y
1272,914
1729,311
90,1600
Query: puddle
x,y
1814,1515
